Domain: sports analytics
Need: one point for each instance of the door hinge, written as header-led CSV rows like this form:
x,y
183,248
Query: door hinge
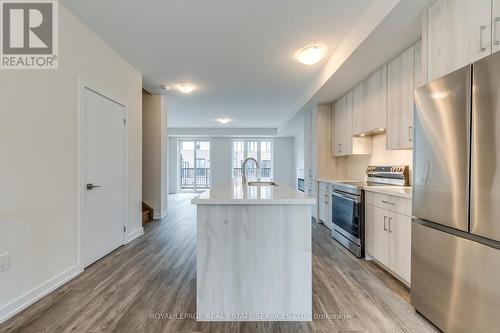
x,y
124,229
124,121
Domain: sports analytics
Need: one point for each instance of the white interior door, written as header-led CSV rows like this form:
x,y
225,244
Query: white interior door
x,y
104,176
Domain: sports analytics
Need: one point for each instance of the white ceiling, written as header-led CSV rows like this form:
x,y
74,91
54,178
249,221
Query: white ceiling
x,y
239,54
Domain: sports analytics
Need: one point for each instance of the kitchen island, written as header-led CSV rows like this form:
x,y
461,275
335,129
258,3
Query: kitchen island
x,y
253,253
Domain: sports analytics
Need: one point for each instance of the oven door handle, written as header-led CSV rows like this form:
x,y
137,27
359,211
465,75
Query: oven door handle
x,y
346,196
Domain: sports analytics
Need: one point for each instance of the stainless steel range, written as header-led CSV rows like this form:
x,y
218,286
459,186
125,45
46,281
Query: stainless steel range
x,y
348,204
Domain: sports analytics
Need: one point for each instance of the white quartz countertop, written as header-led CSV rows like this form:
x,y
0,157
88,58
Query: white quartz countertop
x,y
396,191
234,193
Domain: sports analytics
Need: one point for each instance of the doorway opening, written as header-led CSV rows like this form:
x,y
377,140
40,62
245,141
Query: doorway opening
x,y
195,172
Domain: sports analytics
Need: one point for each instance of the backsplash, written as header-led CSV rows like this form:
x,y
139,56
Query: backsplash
x,y
354,167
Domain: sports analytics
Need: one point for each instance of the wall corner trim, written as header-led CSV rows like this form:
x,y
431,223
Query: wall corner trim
x,y
160,216
134,234
17,305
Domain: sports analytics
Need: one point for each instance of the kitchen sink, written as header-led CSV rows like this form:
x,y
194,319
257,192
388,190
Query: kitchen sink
x,y
262,184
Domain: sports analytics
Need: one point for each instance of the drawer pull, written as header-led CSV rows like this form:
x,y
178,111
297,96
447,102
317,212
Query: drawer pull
x,y
389,203
482,29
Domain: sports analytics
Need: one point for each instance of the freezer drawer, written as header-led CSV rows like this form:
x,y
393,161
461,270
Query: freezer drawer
x,y
455,281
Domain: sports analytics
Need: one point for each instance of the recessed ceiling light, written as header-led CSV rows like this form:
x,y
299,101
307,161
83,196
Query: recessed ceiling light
x,y
185,88
223,120
165,87
311,54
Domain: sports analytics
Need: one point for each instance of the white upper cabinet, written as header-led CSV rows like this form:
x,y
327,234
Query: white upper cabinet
x,y
400,100
496,25
370,103
359,95
342,126
419,74
459,32
343,142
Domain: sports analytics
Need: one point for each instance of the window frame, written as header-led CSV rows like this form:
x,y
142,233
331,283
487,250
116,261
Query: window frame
x,y
179,162
259,152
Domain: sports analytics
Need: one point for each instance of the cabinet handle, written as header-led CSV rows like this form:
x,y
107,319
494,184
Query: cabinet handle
x,y
482,29
385,223
389,203
390,223
495,23
410,133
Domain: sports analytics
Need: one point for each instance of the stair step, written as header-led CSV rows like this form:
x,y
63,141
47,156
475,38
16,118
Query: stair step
x,y
147,215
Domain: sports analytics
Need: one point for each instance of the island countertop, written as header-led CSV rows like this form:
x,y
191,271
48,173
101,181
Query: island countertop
x,y
234,193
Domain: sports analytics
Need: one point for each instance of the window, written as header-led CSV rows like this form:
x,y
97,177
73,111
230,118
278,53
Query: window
x,y
261,150
195,164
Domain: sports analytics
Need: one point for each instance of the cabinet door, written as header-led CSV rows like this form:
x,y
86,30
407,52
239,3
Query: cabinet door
x,y
377,234
400,245
496,25
337,127
377,100
346,144
458,34
419,75
358,109
322,202
400,100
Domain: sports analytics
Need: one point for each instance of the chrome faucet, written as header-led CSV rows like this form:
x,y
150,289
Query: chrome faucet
x,y
244,168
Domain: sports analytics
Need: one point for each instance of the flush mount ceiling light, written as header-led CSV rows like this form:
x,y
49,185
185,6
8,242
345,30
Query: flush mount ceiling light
x,y
311,54
185,88
223,120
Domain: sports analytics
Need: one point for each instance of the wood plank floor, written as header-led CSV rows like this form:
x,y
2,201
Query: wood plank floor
x,y
149,285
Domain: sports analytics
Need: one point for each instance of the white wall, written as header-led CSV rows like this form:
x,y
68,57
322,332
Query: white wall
x,y
154,154
295,128
284,161
39,169
283,156
173,164
221,160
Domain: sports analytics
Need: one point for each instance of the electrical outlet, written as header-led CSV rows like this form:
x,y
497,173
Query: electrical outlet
x,y
4,262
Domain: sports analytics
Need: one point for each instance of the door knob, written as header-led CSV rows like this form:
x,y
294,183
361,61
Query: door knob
x,y
92,186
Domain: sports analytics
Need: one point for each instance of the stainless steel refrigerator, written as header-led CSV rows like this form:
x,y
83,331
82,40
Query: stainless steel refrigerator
x,y
455,278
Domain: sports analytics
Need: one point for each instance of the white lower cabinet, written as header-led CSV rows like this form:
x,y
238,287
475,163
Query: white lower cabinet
x,y
377,236
388,240
325,204
400,245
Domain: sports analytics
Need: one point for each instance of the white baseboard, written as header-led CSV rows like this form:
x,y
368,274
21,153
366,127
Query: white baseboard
x,y
35,294
157,216
134,234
